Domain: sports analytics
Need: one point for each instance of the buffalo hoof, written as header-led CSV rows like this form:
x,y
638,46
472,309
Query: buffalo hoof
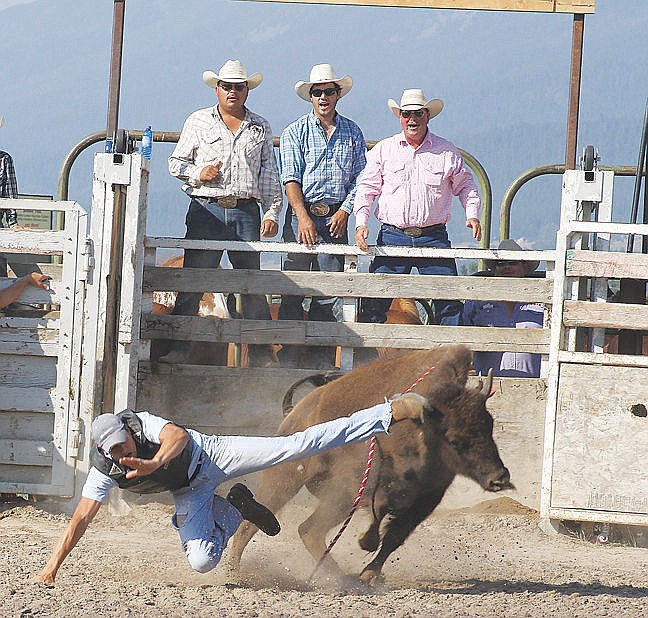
x,y
371,578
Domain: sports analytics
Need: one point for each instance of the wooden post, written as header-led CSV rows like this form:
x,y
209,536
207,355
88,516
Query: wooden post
x,y
574,91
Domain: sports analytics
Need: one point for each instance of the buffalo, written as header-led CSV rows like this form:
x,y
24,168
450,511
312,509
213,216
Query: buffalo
x,y
413,465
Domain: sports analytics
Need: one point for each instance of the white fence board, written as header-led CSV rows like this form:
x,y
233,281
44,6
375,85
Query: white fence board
x,y
38,295
156,326
17,425
25,399
607,264
41,242
347,284
462,253
41,323
37,371
25,452
38,357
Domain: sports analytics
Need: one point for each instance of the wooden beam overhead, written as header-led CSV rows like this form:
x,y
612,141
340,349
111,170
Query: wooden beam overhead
x,y
537,6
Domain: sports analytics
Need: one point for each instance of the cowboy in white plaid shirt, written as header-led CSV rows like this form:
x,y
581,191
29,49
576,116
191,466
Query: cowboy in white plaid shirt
x,y
226,159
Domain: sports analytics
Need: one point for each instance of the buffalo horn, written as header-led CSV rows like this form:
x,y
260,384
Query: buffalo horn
x,y
485,388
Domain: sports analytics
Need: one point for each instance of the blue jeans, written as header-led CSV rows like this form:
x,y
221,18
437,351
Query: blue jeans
x,y
447,312
240,223
321,307
205,521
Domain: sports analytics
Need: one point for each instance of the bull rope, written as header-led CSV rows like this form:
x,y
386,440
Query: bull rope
x,y
363,483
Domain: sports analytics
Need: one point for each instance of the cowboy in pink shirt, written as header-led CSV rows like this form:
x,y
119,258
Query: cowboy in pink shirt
x,y
414,175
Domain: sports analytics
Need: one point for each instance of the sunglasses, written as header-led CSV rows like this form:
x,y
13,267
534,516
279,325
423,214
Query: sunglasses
x,y
227,87
419,113
318,92
503,263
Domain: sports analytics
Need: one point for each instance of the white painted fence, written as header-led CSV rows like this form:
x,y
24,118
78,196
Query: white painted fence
x,y
40,361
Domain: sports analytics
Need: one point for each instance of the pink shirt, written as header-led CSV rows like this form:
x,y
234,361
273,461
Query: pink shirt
x,y
414,186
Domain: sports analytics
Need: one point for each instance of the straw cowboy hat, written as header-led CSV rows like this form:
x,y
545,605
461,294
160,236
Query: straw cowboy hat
x,y
323,74
510,245
233,72
412,99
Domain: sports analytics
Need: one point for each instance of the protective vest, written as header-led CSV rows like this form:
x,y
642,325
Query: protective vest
x,y
170,477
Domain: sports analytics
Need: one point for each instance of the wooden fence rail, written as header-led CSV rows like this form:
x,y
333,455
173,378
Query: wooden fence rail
x,y
349,284
345,334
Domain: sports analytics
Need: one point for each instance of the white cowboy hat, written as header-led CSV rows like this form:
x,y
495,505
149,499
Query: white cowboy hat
x,y
413,98
508,244
323,74
233,72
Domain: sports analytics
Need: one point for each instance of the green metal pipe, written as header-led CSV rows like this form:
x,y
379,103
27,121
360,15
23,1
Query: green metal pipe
x,y
94,138
516,185
486,197
174,136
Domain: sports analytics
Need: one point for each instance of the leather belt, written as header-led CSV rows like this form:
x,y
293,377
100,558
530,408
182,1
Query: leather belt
x,y
320,209
227,201
414,231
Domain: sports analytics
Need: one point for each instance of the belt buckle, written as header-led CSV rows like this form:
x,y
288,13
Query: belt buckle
x,y
319,209
228,201
413,232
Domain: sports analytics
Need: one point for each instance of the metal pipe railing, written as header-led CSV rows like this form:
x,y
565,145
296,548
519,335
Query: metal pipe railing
x,y
522,179
174,136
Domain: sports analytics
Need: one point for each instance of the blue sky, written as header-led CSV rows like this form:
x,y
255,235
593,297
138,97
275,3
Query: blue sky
x,y
503,76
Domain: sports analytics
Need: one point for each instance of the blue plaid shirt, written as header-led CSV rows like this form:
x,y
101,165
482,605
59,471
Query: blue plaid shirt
x,y
326,170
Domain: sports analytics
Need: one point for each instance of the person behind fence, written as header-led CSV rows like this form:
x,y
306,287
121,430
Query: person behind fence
x,y
9,190
322,153
225,158
11,293
144,453
414,175
509,314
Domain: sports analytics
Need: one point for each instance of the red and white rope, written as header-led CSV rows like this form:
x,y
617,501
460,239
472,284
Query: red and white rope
x,y
363,483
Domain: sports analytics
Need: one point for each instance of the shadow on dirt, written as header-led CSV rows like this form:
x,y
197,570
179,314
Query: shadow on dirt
x,y
479,587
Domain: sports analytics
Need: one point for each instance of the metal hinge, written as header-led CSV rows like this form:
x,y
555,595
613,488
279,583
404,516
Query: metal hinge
x,y
87,259
75,437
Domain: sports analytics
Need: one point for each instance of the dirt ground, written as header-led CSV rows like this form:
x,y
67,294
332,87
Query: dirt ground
x,y
487,560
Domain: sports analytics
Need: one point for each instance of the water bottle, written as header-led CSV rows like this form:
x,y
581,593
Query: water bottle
x,y
147,143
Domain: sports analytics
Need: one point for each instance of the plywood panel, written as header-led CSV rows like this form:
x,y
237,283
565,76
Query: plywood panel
x,y
518,409
223,400
599,443
241,402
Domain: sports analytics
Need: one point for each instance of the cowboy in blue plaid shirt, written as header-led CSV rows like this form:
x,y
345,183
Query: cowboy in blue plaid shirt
x,y
321,155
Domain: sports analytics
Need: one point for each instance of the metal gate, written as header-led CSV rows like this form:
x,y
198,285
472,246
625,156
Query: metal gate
x,y
40,356
596,424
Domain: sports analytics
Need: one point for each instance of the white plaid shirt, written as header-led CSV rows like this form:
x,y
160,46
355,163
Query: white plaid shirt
x,y
249,167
